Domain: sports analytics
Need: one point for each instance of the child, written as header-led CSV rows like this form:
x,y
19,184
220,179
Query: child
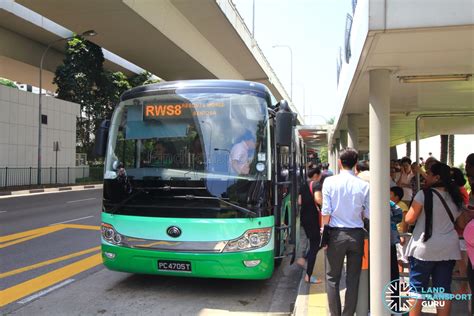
x,y
395,218
396,196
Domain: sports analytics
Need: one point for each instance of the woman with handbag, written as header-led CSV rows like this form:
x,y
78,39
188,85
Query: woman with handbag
x,y
434,246
310,220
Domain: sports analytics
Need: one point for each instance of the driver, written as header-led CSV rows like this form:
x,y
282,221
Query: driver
x,y
161,156
241,154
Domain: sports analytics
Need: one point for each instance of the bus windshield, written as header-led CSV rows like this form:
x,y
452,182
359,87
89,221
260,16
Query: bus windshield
x,y
190,135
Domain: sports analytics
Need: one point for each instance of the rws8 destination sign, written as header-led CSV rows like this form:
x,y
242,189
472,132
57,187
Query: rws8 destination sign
x,y
158,111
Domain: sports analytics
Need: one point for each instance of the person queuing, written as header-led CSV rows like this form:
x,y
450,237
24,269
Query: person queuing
x,y
404,181
469,228
310,211
345,204
434,247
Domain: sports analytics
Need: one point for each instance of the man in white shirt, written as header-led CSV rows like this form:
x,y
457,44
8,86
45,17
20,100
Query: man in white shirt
x,y
240,154
345,204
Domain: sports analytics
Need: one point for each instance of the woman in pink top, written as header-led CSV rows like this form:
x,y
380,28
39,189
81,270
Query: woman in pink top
x,y
469,229
469,239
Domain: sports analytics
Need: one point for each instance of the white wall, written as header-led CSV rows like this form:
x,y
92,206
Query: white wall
x,y
19,130
402,14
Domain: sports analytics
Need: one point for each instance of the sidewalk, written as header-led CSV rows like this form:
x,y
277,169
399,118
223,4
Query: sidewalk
x,y
312,298
8,194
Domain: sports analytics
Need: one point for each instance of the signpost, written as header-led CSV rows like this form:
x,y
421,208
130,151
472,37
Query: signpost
x,y
56,149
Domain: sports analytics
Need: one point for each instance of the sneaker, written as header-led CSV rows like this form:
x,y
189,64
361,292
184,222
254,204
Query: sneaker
x,y
313,280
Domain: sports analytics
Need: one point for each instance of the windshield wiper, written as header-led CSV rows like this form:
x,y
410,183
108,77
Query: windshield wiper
x,y
238,207
140,190
133,195
170,188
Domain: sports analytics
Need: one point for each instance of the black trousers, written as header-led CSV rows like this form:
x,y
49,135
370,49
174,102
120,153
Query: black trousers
x,y
314,240
344,243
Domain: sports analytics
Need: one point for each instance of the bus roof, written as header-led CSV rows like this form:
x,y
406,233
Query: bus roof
x,y
183,84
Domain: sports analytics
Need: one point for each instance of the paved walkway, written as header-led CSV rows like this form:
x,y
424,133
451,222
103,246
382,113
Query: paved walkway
x,y
7,194
312,298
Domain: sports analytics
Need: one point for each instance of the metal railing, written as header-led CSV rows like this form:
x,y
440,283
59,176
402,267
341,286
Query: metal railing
x,y
20,177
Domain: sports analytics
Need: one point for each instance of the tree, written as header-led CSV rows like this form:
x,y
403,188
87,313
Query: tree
x,y
444,149
451,150
323,154
8,83
79,80
82,79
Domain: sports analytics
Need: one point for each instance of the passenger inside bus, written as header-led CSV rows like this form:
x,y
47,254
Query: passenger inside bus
x,y
241,154
162,156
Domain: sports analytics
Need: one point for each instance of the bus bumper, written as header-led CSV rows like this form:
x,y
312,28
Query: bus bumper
x,y
209,265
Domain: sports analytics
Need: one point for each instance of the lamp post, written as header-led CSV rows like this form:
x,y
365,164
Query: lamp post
x,y
291,67
253,20
40,105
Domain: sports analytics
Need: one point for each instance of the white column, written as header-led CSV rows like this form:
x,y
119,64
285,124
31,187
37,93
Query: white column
x,y
337,154
352,132
379,141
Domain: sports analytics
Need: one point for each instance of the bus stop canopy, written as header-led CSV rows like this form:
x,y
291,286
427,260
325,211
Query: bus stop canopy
x,y
431,73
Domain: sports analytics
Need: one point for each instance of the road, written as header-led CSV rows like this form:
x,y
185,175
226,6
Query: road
x,y
50,265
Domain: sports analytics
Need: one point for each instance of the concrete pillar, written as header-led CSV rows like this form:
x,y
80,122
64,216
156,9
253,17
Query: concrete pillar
x,y
379,142
338,151
330,154
343,135
352,132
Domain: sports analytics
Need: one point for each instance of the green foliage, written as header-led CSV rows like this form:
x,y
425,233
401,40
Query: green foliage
x,y
323,154
82,79
8,83
142,79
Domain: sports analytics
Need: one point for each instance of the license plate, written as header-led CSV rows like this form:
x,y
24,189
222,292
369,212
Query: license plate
x,y
176,266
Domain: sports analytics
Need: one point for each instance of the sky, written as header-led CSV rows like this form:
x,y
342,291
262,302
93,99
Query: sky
x,y
314,29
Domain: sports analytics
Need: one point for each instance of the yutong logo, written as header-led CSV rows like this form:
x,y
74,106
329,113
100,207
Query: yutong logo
x,y
173,231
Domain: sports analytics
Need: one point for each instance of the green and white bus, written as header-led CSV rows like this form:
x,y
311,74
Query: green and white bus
x,y
172,202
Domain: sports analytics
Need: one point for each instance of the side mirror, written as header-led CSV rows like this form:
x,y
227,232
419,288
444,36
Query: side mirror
x,y
101,138
285,120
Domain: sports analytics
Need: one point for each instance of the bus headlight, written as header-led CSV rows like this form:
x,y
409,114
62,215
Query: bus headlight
x,y
110,234
251,239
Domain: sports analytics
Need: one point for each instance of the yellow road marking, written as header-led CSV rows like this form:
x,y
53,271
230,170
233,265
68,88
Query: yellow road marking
x,y
26,288
48,262
38,231
77,226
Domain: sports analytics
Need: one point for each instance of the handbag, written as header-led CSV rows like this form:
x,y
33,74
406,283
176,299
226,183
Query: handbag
x,y
324,236
320,217
324,241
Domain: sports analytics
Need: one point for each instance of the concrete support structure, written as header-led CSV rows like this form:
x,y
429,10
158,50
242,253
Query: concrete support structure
x,y
337,155
344,137
334,158
379,126
352,132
